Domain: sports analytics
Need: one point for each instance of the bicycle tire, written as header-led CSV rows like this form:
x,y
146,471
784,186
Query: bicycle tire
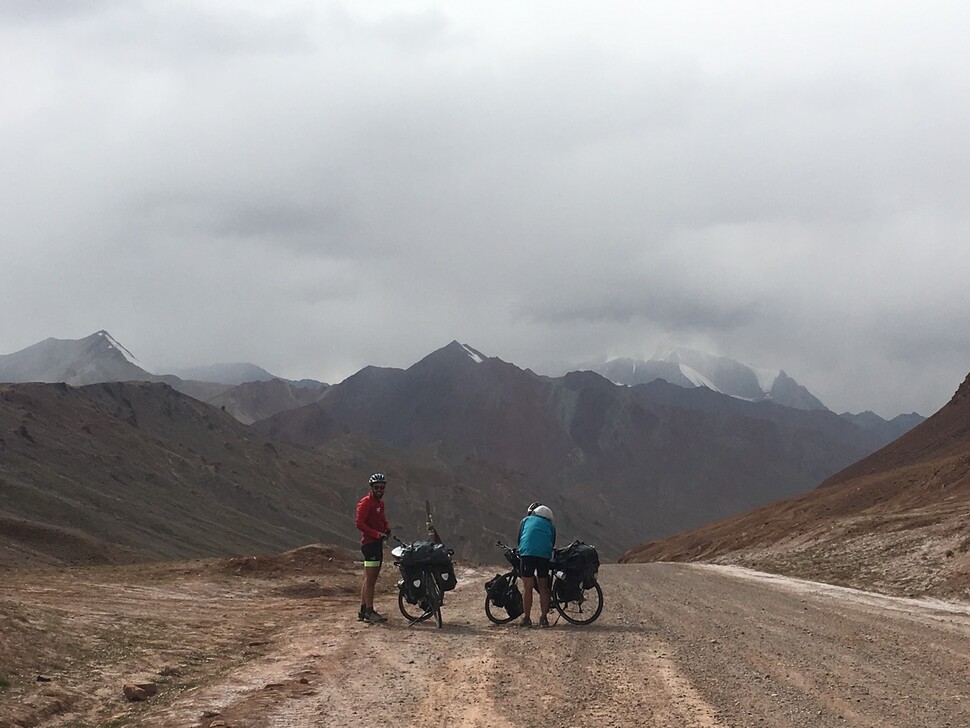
x,y
573,612
500,616
412,612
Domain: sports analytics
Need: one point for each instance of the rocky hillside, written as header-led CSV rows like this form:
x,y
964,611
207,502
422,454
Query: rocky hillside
x,y
894,521
129,471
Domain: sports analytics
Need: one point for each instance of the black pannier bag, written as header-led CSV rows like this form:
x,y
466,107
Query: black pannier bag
x,y
579,561
496,588
423,552
568,590
503,593
513,601
444,574
413,588
433,555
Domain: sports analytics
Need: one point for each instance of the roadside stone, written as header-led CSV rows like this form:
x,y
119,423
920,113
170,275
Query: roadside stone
x,y
134,693
139,690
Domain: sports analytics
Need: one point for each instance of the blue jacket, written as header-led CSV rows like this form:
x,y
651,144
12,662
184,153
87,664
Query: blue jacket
x,y
537,536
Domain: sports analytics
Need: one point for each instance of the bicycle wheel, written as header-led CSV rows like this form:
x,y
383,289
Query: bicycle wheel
x,y
584,610
411,612
498,615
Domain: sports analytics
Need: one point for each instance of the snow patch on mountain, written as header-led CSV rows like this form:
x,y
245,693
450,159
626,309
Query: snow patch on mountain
x,y
696,378
475,356
129,357
689,368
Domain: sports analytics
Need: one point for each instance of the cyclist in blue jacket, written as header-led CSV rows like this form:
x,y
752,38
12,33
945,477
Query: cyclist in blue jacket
x,y
537,537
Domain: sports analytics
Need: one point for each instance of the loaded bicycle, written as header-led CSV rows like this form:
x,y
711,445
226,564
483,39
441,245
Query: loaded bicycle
x,y
574,591
426,574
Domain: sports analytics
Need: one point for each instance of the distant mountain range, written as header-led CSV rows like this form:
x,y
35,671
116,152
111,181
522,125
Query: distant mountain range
x,y
689,368
618,464
649,458
246,391
232,373
895,521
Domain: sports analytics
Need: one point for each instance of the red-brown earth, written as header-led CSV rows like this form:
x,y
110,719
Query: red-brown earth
x,y
273,641
895,521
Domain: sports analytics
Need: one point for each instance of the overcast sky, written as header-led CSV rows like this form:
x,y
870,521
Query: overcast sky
x,y
316,186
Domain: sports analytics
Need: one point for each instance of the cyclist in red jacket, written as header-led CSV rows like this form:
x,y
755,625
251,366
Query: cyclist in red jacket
x,y
374,528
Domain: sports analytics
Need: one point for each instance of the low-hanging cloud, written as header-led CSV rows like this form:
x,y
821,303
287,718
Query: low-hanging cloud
x,y
319,186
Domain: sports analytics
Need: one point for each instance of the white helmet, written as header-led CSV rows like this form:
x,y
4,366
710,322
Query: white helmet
x,y
543,512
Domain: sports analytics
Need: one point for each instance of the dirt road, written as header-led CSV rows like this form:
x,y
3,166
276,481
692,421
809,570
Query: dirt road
x,y
677,645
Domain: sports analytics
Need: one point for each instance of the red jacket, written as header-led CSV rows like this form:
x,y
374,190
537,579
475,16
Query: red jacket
x,y
370,519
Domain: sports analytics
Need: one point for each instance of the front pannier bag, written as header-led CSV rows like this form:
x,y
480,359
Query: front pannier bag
x,y
434,555
504,593
413,586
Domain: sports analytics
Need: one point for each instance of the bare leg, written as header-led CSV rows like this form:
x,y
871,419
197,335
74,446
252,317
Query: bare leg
x,y
527,584
544,596
367,587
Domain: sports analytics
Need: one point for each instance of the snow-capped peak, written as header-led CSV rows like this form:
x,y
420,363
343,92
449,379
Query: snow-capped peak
x,y
113,344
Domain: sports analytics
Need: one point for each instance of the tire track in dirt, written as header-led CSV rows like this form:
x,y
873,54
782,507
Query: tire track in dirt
x,y
677,646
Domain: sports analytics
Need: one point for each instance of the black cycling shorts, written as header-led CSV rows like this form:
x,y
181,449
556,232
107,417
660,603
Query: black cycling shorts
x,y
531,566
373,553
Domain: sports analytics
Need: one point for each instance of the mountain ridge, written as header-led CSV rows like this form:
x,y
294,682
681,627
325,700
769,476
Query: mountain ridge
x,y
690,368
646,458
894,521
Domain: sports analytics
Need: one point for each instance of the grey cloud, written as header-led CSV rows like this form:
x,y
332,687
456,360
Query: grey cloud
x,y
49,12
363,183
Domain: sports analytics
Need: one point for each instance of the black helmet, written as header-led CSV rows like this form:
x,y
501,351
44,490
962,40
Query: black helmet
x,y
377,478
533,506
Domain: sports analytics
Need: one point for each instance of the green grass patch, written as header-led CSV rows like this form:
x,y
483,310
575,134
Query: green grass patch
x,y
4,683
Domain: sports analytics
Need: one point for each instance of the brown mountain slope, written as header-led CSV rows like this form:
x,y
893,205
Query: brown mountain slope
x,y
895,521
129,471
616,464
